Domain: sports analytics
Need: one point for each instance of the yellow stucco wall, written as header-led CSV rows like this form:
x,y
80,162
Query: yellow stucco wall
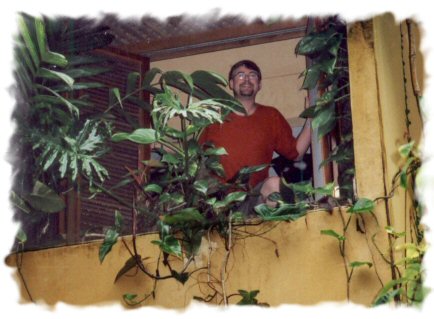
x,y
291,263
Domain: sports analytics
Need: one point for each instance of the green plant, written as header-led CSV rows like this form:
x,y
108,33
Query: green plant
x,y
183,189
327,73
408,287
54,144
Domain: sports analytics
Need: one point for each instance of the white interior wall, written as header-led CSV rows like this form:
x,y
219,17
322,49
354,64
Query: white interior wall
x,y
279,66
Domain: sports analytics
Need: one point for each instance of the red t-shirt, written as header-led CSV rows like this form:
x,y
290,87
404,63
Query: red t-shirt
x,y
251,140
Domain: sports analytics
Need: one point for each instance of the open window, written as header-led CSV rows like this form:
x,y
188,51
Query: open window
x,y
188,44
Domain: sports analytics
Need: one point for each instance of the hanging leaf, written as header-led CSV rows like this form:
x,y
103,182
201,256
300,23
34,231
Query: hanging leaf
x,y
54,75
332,233
83,72
363,205
44,199
181,277
115,98
119,221
386,297
170,158
356,264
188,215
325,120
150,76
155,188
131,263
46,55
393,232
201,186
230,198
315,42
211,85
29,43
110,239
328,66
21,236
170,245
309,112
130,299
325,190
179,80
19,203
139,136
311,77
215,151
404,150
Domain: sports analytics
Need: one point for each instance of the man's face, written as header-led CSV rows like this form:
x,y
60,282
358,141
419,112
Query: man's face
x,y
245,83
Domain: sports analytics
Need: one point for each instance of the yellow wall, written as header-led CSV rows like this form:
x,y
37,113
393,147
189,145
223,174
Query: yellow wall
x,y
308,269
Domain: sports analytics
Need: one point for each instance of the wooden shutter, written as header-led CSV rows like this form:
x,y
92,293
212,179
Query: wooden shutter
x,y
86,217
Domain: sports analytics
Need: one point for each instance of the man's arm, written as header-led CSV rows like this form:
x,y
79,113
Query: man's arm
x,y
304,139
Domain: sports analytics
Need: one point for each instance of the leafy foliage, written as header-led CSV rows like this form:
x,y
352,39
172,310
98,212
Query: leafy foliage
x,y
408,287
331,113
55,146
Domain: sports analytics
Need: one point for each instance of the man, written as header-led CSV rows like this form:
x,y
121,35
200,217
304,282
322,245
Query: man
x,y
251,138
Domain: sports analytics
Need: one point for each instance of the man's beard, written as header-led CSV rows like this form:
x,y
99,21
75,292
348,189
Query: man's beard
x,y
246,92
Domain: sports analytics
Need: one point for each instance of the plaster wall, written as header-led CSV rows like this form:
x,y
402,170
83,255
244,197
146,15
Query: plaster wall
x,y
290,263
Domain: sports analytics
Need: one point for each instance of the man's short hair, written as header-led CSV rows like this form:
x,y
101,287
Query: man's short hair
x,y
248,64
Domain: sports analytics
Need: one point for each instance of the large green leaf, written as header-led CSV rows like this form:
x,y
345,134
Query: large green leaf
x,y
29,42
211,84
179,80
169,244
324,120
46,55
44,199
316,42
140,136
54,75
